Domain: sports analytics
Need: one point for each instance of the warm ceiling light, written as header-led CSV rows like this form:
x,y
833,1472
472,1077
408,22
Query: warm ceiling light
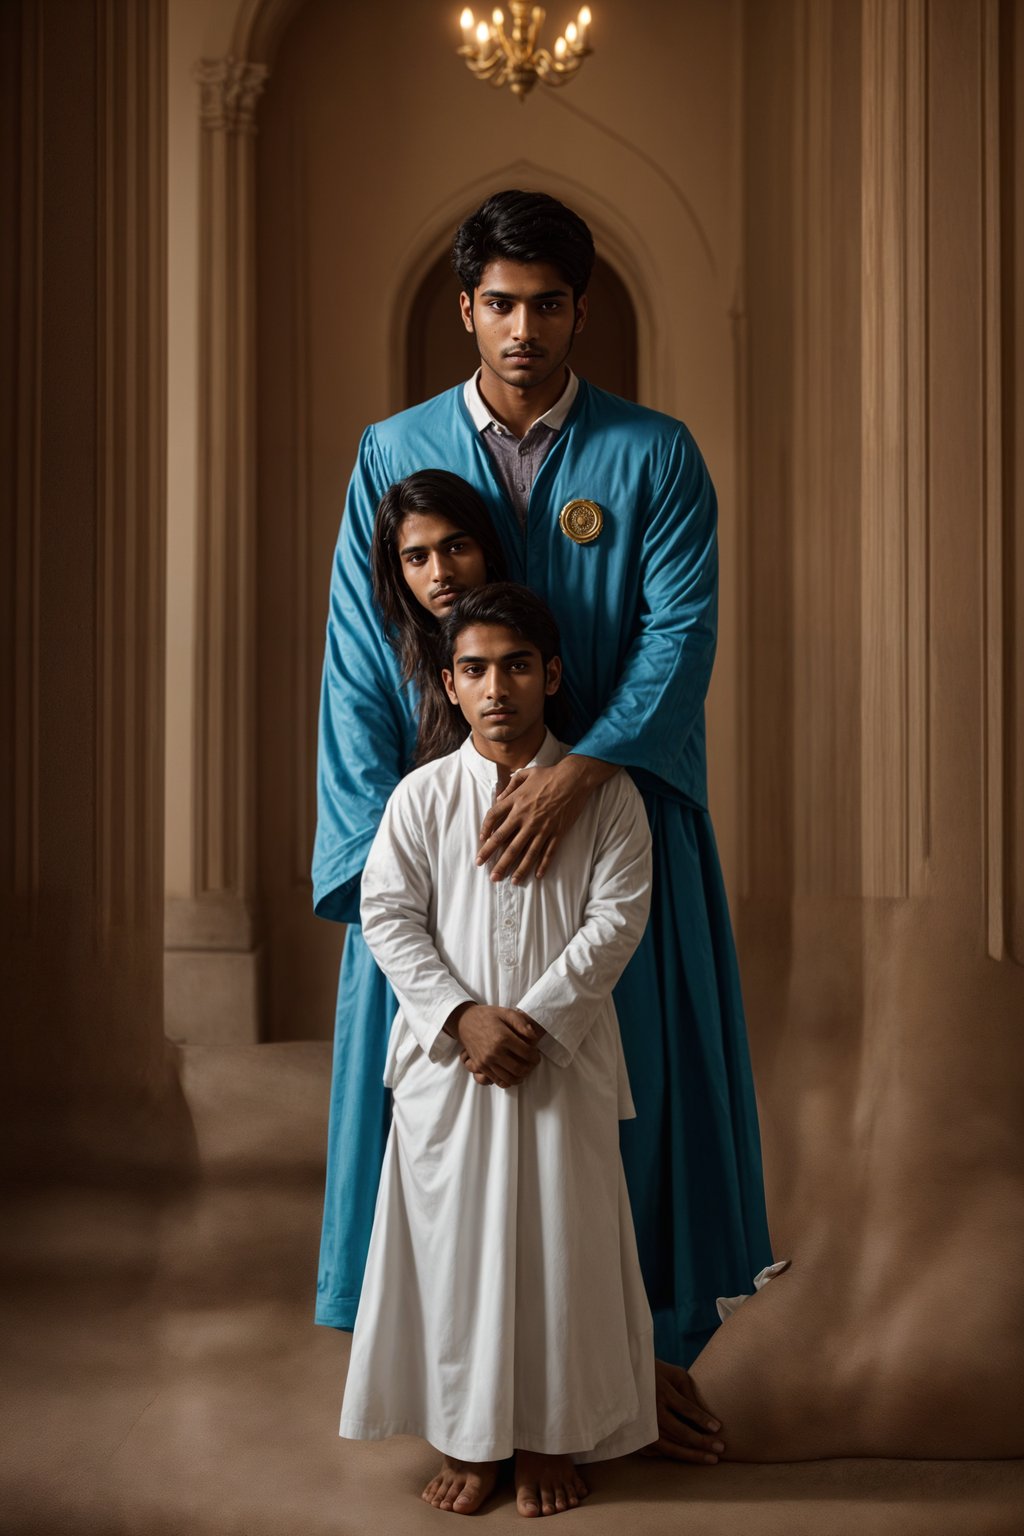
x,y
513,59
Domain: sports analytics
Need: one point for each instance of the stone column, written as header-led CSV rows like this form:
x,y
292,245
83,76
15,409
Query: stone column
x,y
82,405
212,942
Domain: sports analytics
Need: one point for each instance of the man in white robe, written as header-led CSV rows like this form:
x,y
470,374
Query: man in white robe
x,y
503,1308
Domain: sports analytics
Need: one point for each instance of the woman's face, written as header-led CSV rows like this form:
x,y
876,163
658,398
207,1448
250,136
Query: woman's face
x,y
439,561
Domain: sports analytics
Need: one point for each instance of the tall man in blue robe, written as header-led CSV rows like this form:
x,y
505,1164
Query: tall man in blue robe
x,y
606,509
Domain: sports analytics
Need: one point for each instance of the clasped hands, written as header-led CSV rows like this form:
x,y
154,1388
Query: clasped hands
x,y
498,1045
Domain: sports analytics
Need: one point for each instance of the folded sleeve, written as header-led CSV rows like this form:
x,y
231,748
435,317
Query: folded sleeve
x,y
564,999
657,703
395,911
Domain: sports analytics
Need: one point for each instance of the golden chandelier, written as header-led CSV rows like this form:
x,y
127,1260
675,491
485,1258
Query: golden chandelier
x,y
514,60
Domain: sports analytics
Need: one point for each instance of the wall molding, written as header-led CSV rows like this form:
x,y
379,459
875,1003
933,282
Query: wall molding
x,y
224,766
221,976
229,91
813,519
994,731
1010,59
23,742
131,484
894,532
822,546
304,666
260,25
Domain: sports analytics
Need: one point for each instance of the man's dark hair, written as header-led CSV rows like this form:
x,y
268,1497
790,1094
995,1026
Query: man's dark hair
x,y
411,631
507,605
524,226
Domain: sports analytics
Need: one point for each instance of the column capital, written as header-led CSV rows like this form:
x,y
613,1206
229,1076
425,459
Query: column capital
x,y
229,90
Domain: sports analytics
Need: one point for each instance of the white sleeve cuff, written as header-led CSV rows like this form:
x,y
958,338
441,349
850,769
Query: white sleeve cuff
x,y
430,1031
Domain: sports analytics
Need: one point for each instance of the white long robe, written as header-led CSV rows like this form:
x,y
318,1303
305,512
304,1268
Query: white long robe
x,y
503,1306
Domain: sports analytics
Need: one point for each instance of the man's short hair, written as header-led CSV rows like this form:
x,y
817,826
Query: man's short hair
x,y
524,227
506,605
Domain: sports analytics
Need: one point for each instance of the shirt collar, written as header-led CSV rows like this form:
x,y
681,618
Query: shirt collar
x,y
486,772
482,417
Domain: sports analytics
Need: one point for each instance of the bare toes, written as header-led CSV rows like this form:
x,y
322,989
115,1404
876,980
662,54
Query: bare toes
x,y
528,1501
547,1485
469,1497
462,1487
438,1489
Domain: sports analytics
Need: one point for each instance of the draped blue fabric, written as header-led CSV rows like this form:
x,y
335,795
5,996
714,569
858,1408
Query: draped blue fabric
x,y
637,609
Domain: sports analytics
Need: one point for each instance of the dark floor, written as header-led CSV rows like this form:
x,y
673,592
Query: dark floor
x,y
162,1374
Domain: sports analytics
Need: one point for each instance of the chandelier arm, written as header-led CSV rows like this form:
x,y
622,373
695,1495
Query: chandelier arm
x,y
497,70
491,61
494,67
473,54
556,71
553,81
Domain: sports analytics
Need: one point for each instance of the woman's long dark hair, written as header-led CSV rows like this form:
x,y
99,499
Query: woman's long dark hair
x,y
408,627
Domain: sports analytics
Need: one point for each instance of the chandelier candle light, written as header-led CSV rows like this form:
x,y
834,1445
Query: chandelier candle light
x,y
515,60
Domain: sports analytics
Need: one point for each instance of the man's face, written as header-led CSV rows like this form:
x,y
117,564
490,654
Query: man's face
x,y
499,681
439,561
524,320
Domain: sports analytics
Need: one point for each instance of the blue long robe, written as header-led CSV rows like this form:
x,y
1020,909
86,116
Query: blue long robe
x,y
637,609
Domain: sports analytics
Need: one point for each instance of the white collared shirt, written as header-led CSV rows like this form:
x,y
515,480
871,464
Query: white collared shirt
x,y
483,417
517,460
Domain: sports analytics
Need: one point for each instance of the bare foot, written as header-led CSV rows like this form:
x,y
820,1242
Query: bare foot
x,y
461,1486
546,1485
